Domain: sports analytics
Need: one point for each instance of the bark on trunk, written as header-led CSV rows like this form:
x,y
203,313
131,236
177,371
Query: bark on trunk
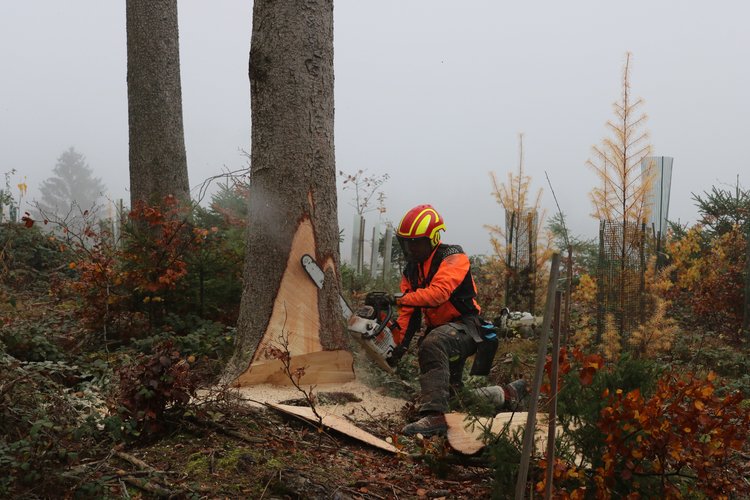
x,y
292,182
158,164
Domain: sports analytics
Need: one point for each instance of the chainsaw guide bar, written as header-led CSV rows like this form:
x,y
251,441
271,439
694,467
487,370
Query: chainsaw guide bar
x,y
313,270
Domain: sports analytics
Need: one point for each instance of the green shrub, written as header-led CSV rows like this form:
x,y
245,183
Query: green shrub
x,y
32,339
45,425
207,342
29,247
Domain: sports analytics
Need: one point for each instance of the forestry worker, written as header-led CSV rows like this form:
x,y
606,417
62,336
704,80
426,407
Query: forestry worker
x,y
437,288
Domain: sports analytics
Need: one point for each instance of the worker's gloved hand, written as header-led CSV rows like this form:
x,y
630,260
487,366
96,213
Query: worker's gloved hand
x,y
379,300
392,299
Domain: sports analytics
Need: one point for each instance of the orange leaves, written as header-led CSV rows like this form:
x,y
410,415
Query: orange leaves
x,y
588,366
587,375
27,220
158,263
563,473
708,271
121,281
591,364
683,425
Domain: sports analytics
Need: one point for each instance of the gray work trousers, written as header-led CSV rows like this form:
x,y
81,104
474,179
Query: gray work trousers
x,y
442,356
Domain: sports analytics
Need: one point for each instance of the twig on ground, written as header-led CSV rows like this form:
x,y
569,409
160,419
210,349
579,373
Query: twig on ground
x,y
267,485
135,461
149,487
228,432
124,488
393,489
359,493
399,488
383,429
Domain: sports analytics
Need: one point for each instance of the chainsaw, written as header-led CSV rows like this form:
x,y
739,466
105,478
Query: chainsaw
x,y
369,326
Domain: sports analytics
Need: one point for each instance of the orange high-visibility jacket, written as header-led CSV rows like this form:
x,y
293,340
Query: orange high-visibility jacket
x,y
434,295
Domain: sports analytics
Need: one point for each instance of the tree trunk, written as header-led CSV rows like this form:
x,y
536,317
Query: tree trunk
x,y
158,164
292,188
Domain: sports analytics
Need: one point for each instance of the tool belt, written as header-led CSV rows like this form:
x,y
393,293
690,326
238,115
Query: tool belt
x,y
484,334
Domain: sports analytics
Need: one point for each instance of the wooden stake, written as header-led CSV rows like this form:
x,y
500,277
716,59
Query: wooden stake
x,y
568,291
553,402
528,435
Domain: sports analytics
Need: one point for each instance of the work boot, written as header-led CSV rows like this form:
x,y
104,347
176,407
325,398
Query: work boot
x,y
515,392
429,425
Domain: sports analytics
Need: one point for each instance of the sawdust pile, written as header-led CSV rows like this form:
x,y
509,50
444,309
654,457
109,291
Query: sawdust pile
x,y
372,403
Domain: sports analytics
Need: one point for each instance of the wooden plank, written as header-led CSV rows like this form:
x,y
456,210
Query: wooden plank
x,y
336,423
466,438
322,367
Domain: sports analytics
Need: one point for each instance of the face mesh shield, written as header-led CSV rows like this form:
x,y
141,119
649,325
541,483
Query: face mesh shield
x,y
415,249
404,247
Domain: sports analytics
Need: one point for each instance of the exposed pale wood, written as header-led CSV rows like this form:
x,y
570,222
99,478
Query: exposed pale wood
x,y
295,309
336,423
466,438
322,367
295,322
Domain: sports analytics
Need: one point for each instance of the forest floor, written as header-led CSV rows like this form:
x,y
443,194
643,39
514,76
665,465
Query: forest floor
x,y
260,453
234,446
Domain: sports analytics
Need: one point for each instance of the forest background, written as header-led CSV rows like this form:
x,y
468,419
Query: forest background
x,y
114,320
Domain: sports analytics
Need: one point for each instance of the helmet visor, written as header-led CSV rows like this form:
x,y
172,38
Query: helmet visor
x,y
415,249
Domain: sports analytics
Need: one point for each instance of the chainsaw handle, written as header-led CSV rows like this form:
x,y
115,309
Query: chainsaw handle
x,y
381,325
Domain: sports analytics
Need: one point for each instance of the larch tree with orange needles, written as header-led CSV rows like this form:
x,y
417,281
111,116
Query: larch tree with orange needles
x,y
621,200
622,195
520,236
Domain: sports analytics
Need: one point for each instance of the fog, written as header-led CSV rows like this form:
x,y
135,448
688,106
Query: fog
x,y
432,93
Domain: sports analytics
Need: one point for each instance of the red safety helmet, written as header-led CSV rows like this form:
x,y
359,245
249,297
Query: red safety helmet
x,y
422,221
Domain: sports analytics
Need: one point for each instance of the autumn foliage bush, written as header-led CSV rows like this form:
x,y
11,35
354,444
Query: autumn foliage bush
x,y
130,285
163,264
708,272
631,432
682,440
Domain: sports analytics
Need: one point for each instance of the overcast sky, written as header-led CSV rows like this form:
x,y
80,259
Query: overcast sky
x,y
433,93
